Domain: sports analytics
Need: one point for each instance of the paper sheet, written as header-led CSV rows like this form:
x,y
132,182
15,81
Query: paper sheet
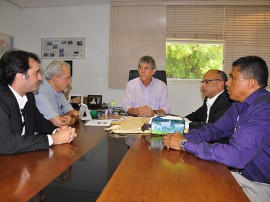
x,y
99,123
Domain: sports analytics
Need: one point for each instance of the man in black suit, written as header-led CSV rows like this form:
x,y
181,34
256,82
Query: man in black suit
x,y
22,127
216,100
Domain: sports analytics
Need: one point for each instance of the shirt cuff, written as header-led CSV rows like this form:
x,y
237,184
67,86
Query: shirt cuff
x,y
191,147
50,140
186,123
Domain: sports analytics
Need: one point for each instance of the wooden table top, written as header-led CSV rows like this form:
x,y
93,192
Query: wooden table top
x,y
152,174
23,175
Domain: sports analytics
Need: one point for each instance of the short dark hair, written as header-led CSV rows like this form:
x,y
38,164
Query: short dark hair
x,y
13,62
253,67
222,74
147,59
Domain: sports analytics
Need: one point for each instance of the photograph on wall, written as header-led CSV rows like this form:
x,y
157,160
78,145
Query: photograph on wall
x,y
6,43
63,48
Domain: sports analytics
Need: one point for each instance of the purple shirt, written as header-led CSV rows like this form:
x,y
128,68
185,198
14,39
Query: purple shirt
x,y
155,95
248,126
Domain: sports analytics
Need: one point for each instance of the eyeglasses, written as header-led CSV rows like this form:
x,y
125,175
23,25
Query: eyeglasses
x,y
206,81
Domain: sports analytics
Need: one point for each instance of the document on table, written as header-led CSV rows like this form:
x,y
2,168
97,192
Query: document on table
x,y
95,122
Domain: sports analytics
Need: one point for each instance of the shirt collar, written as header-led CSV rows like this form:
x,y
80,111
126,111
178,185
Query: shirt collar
x,y
22,100
210,101
250,99
50,88
151,83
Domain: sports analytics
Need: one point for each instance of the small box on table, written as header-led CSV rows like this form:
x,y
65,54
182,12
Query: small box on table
x,y
167,124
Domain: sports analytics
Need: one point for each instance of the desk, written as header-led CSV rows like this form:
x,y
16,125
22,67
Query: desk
x,y
168,175
23,175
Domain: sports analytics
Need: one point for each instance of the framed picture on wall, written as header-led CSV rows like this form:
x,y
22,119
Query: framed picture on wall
x,y
63,48
6,43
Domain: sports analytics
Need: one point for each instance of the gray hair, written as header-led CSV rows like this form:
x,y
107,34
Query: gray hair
x,y
55,68
147,59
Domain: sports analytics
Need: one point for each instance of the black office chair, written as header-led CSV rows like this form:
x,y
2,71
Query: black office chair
x,y
160,74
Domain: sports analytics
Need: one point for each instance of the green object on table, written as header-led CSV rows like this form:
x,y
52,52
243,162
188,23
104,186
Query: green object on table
x,y
94,114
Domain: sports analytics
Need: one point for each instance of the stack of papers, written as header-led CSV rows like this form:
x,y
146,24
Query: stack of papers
x,y
104,122
96,122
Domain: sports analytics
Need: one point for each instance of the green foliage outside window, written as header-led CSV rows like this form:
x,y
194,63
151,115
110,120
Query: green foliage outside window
x,y
191,61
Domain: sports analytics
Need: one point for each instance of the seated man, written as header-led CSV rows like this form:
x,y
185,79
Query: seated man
x,y
146,95
50,98
22,127
216,100
246,122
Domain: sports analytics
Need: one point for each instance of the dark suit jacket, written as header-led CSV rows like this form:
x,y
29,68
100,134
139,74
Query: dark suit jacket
x,y
11,127
219,107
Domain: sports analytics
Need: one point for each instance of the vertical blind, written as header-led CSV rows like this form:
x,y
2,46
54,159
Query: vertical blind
x,y
247,32
135,31
143,30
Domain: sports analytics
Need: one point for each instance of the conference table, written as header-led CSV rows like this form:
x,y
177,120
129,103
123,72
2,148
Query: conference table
x,y
24,175
148,172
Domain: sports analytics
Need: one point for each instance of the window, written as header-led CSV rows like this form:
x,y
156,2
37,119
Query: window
x,y
144,29
191,59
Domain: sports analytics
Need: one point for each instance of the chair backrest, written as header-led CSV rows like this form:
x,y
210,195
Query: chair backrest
x,y
160,74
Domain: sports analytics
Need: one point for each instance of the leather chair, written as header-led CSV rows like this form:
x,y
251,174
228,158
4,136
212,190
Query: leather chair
x,y
160,74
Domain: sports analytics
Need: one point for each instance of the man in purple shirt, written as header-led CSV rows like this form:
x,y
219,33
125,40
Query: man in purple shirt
x,y
247,123
146,95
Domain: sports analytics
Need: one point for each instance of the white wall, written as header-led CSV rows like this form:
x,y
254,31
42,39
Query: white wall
x,y
10,21
90,75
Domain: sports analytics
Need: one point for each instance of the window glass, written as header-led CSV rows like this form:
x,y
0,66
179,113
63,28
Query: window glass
x,y
189,59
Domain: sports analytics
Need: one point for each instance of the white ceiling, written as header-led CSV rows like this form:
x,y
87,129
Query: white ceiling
x,y
50,3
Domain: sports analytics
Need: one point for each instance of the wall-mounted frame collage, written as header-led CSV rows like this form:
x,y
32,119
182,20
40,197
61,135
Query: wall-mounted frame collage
x,y
60,48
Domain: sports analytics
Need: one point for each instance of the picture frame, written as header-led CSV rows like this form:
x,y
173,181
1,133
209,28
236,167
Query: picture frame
x,y
7,42
94,100
85,99
75,99
63,48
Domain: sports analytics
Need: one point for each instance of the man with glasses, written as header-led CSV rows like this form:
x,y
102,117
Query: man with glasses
x,y
246,123
50,98
216,100
146,95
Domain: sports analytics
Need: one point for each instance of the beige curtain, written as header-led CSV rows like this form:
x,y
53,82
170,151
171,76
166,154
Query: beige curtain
x,y
135,31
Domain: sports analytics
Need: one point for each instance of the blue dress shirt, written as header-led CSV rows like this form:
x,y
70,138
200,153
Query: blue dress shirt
x,y
50,103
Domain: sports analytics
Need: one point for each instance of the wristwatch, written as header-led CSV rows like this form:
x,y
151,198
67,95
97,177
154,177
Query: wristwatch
x,y
182,144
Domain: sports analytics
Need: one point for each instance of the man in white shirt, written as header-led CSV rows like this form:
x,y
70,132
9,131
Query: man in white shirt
x,y
22,127
216,100
146,95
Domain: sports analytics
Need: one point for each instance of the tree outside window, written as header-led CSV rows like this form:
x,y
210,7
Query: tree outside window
x,y
189,60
